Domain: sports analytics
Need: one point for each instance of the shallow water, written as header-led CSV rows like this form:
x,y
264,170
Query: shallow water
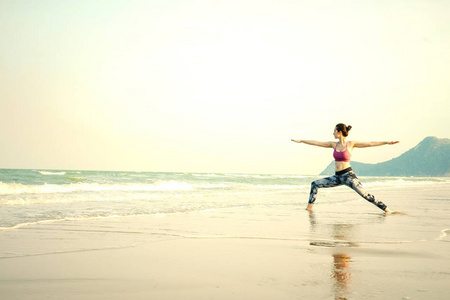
x,y
36,196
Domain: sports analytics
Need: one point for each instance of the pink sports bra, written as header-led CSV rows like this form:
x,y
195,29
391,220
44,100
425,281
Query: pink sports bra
x,y
342,156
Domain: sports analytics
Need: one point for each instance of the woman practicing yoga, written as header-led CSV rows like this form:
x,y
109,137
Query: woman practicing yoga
x,y
344,173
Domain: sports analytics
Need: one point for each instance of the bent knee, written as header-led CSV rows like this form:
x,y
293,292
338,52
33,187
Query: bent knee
x,y
314,184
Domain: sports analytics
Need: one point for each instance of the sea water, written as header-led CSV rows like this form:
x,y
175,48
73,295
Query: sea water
x,y
35,196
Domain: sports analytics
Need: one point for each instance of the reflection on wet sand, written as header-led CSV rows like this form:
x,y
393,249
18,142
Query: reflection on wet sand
x,y
342,275
339,239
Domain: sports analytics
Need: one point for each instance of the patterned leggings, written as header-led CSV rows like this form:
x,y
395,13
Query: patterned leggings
x,y
349,179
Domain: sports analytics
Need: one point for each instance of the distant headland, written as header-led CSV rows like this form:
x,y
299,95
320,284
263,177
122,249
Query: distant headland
x,y
430,158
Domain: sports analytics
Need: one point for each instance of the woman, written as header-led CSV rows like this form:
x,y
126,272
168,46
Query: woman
x,y
344,173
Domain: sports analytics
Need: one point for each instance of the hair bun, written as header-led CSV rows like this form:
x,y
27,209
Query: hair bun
x,y
349,127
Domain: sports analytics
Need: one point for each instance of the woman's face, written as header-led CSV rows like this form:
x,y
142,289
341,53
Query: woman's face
x,y
336,133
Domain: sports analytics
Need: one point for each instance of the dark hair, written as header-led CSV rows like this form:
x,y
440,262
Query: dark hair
x,y
343,128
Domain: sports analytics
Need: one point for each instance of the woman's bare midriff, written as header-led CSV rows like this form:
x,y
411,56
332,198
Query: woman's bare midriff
x,y
341,165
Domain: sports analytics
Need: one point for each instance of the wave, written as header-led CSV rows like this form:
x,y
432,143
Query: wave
x,y
400,182
52,173
77,185
281,187
18,188
76,219
48,219
253,176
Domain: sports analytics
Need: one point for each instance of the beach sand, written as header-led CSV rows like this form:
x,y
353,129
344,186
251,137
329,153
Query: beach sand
x,y
344,250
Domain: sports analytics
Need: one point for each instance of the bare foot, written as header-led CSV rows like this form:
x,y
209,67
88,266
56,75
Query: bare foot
x,y
388,211
309,207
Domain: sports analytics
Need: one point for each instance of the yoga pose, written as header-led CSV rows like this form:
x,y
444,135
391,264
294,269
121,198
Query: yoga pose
x,y
344,173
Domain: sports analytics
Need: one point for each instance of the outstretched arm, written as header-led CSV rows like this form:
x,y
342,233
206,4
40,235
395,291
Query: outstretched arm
x,y
315,143
372,144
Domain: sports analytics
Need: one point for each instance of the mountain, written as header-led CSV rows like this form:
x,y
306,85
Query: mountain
x,y
430,158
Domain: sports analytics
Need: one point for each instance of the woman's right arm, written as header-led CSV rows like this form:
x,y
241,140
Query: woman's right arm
x,y
315,143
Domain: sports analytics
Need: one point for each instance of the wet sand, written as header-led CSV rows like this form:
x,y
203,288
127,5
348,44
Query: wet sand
x,y
347,250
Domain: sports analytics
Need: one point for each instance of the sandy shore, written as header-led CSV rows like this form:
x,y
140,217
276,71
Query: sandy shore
x,y
279,252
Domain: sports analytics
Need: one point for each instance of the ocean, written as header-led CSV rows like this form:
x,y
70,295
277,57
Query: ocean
x,y
38,196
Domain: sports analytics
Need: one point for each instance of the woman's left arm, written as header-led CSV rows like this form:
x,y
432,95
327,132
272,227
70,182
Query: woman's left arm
x,y
372,144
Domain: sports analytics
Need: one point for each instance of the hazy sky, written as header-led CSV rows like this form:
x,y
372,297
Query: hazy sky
x,y
218,86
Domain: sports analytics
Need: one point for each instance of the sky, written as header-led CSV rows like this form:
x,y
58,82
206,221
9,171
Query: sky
x,y
218,86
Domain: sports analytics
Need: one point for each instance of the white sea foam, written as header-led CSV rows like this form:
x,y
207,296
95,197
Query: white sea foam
x,y
59,220
212,186
18,189
444,235
388,182
51,173
206,175
280,187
